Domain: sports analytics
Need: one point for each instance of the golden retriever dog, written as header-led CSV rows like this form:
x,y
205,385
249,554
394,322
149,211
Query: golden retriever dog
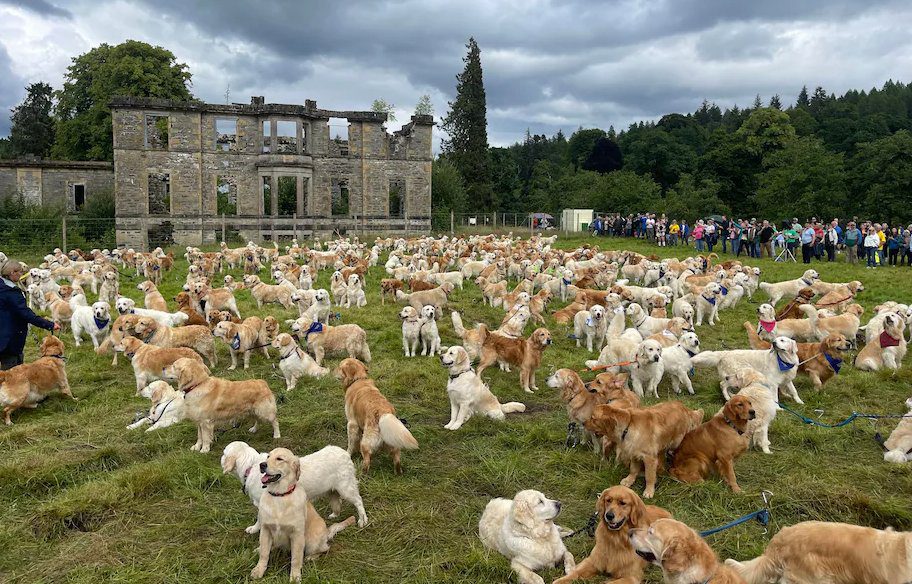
x,y
210,400
240,338
800,329
672,332
523,353
198,338
819,361
845,324
268,293
167,407
149,361
683,555
371,418
619,510
899,445
566,315
294,363
472,339
523,530
644,435
183,305
779,290
831,553
582,400
23,386
153,298
346,339
648,368
778,364
751,384
715,445
790,310
468,393
208,298
888,350
840,297
388,287
538,303
286,517
436,297
514,323
591,325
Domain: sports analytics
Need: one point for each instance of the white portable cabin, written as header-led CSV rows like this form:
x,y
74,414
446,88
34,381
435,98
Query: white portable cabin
x,y
576,220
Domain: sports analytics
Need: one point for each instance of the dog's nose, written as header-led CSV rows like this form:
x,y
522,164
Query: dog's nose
x,y
609,515
557,504
263,467
753,414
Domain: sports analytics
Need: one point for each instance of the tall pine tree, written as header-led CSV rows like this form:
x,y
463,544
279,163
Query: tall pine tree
x,y
466,127
32,131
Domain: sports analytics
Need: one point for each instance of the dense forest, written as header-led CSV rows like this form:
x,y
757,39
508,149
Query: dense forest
x,y
825,156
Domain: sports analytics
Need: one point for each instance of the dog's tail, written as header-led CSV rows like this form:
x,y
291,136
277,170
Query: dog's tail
x,y
365,352
396,434
707,359
402,296
106,347
757,571
811,313
512,407
335,528
765,287
457,324
753,339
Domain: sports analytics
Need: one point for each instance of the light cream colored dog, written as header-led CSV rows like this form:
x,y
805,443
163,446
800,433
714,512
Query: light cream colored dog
x,y
240,338
167,407
347,339
790,288
468,394
295,363
888,350
591,325
899,445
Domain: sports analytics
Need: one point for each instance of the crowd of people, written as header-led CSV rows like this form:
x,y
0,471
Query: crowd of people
x,y
877,244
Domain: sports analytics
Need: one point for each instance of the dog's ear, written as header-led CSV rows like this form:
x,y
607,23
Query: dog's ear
x,y
620,380
229,462
296,468
676,556
637,511
523,514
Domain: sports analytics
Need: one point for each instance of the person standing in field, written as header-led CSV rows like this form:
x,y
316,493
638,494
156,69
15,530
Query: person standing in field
x,y
852,238
871,244
15,316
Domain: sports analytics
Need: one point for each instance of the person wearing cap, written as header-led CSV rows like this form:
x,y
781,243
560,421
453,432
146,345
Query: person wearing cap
x,y
852,238
15,316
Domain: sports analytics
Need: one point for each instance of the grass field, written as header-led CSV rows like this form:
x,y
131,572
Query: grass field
x,y
86,500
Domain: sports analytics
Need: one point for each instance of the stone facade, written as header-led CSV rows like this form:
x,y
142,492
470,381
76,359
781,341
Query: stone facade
x,y
62,183
192,169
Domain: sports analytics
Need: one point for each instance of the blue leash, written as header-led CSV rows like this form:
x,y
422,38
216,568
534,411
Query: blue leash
x,y
845,422
761,515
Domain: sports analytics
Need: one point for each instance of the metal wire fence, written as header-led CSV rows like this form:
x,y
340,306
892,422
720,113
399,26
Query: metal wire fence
x,y
31,239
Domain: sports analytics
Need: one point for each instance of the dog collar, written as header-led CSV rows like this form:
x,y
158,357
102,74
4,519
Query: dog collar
x,y
732,424
61,357
566,281
149,337
806,282
187,390
290,353
642,320
164,409
288,492
767,325
244,481
624,433
130,354
688,351
888,341
724,290
454,376
783,365
835,363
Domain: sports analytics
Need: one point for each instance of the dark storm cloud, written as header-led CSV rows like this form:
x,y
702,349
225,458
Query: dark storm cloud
x,y
41,7
547,65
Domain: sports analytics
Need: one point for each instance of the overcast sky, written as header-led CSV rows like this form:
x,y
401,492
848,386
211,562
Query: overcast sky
x,y
547,65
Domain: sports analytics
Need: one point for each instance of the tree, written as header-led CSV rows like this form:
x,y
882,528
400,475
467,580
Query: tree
x,y
381,106
447,189
691,199
467,134
883,177
758,103
424,107
581,143
628,192
32,132
605,157
132,69
766,130
806,175
775,102
803,99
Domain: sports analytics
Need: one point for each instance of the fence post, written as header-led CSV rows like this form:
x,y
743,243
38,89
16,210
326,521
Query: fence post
x,y
494,227
295,226
224,229
531,225
63,230
452,223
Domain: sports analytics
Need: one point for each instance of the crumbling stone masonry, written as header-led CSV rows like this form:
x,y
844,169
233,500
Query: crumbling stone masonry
x,y
64,183
265,170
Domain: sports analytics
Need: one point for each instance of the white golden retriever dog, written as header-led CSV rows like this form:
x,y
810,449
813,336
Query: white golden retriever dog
x,y
430,335
523,530
328,471
779,364
468,394
94,321
126,305
591,325
790,288
676,361
647,372
167,406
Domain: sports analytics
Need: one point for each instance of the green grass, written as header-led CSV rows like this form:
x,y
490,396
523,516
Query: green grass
x,y
86,500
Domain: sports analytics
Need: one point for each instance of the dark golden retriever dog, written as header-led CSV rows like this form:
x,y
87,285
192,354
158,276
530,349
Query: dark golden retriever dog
x,y
523,353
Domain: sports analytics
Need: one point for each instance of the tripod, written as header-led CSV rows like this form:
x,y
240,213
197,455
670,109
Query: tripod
x,y
786,255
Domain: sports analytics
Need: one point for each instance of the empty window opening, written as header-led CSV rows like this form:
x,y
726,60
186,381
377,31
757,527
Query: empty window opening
x,y
288,195
339,188
267,196
159,193
226,134
226,195
267,136
338,136
396,197
156,132
79,197
286,137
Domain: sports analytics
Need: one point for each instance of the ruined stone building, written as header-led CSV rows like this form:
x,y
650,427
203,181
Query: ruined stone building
x,y
187,172
62,183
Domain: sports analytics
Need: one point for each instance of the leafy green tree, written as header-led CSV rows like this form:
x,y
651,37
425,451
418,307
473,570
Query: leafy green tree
x,y
424,107
133,69
728,162
803,122
466,144
883,177
447,188
802,179
32,131
6,151
605,157
381,106
581,143
766,130
628,192
691,199
654,151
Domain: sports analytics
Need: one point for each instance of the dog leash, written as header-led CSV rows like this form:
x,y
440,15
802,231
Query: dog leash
x,y
761,515
588,529
854,416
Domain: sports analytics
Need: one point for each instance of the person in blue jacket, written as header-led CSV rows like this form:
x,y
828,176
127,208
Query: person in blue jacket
x,y
15,316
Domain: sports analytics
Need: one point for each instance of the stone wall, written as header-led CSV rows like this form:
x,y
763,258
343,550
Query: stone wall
x,y
194,163
51,182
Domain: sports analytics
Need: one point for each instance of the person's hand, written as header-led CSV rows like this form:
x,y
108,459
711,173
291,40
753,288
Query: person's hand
x,y
56,327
